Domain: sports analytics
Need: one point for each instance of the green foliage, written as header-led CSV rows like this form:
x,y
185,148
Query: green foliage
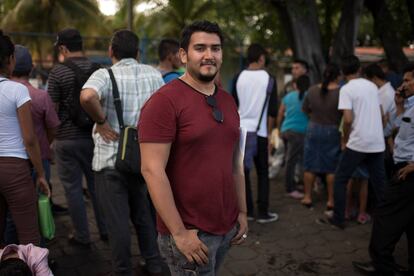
x,y
399,12
48,17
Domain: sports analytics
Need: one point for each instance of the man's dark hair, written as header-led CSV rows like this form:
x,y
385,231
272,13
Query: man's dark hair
x,y
74,46
350,65
71,38
167,46
6,50
302,83
125,44
302,62
254,52
19,74
13,267
374,70
409,68
199,26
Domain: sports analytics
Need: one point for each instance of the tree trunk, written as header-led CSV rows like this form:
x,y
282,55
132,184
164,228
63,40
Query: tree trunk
x,y
300,21
386,29
346,35
410,6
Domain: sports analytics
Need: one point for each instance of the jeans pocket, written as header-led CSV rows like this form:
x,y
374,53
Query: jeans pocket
x,y
178,262
189,268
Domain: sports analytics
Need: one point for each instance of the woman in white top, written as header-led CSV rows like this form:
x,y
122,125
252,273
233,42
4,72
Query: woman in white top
x,y
18,144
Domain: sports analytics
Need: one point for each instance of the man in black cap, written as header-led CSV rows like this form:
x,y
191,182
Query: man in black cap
x,y
74,145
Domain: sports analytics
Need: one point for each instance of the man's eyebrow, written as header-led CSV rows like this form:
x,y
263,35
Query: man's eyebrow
x,y
203,44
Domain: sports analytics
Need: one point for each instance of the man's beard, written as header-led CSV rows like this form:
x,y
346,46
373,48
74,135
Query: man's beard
x,y
206,78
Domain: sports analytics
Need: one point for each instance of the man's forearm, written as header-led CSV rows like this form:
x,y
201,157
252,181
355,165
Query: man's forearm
x,y
161,194
347,131
240,191
238,178
90,103
270,125
51,133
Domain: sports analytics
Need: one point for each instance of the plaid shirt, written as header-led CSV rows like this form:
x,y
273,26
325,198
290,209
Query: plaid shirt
x,y
136,83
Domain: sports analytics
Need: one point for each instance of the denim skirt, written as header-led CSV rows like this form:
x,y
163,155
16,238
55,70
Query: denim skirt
x,y
322,148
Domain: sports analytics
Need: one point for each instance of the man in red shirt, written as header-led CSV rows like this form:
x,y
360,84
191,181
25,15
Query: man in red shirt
x,y
189,133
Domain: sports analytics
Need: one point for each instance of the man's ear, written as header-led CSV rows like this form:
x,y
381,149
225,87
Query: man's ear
x,y
110,52
183,55
262,60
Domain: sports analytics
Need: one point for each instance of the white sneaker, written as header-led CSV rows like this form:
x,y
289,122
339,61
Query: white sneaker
x,y
269,217
329,213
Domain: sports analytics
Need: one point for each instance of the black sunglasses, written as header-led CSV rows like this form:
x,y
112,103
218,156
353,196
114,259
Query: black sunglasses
x,y
217,114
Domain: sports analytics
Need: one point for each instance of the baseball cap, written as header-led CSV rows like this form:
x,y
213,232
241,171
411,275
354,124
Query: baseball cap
x,y
23,57
68,36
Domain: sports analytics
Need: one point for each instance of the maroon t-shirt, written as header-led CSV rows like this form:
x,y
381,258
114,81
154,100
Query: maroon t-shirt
x,y
44,116
200,164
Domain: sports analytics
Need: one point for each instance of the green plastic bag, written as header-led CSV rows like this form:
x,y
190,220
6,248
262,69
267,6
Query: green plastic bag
x,y
46,222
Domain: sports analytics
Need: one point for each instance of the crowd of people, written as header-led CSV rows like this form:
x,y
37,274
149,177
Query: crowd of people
x,y
193,198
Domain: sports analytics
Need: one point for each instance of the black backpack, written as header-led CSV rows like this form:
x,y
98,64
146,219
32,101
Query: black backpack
x,y
76,113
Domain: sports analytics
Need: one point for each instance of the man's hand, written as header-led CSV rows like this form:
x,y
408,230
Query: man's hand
x,y
402,173
43,186
191,246
106,132
243,229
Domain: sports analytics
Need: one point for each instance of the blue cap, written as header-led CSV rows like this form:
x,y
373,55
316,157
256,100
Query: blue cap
x,y
23,59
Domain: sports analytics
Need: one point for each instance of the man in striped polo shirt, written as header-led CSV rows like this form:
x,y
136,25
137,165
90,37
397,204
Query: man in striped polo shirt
x,y
73,144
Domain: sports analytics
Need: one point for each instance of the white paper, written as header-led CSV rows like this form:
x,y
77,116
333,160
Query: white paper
x,y
242,143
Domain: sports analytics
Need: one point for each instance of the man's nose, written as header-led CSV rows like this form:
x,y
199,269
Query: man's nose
x,y
208,54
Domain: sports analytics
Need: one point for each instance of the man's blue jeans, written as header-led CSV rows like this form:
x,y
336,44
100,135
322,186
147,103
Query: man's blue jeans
x,y
218,246
348,162
122,198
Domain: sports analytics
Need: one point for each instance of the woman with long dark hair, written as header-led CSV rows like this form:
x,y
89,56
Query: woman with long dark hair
x,y
323,139
18,144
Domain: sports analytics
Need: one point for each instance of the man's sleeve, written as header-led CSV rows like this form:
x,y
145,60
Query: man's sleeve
x,y
37,260
157,121
51,118
53,85
345,101
99,81
273,104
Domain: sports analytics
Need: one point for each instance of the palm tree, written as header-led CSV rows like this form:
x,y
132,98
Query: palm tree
x,y
169,20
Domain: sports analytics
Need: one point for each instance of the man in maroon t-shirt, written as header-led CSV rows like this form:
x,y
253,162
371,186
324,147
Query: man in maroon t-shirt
x,y
189,133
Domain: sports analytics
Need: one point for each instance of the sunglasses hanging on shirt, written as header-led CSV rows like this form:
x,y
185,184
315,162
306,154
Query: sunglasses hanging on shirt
x,y
217,114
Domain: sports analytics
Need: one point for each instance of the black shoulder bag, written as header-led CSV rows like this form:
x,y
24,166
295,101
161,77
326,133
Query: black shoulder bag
x,y
128,159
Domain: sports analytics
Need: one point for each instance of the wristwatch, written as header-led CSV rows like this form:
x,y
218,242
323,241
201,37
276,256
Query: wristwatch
x,y
101,122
